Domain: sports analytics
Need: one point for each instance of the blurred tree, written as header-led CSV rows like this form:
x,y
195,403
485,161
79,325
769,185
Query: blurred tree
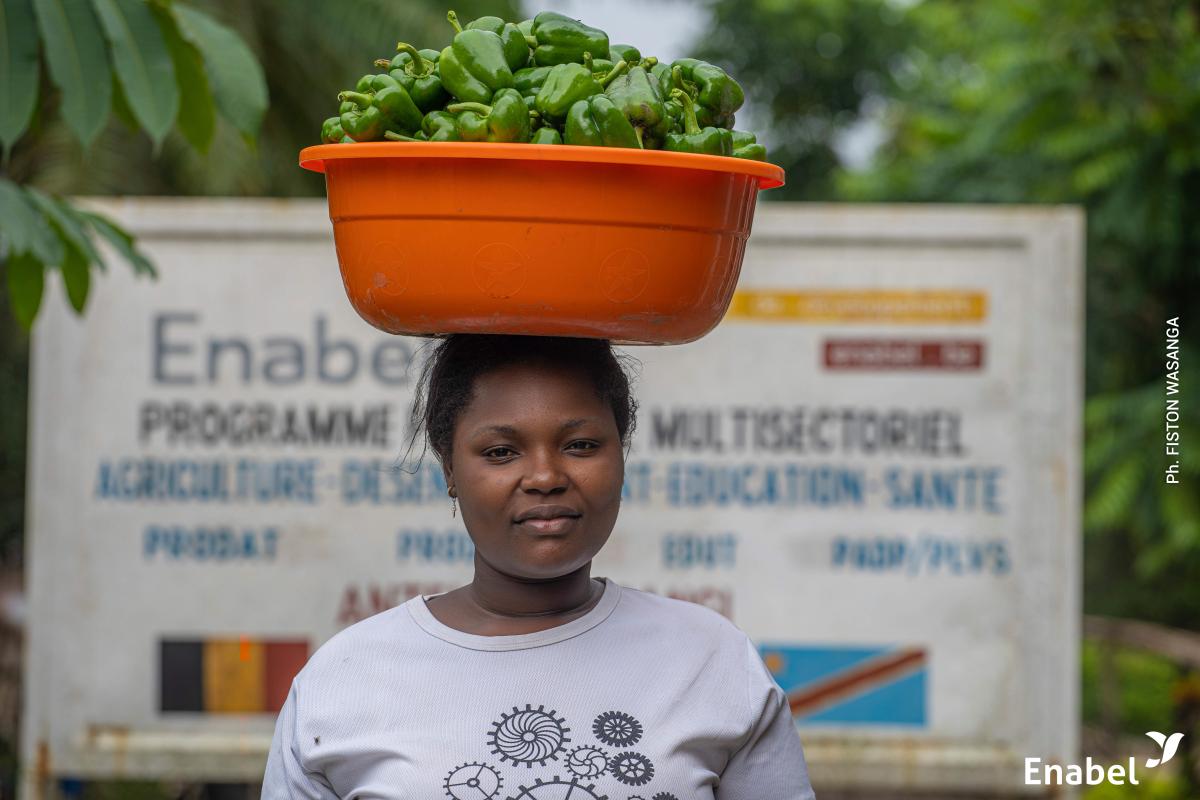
x,y
76,143
66,67
309,50
808,67
1093,102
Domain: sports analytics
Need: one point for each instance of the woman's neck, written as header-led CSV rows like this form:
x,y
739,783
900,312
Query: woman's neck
x,y
504,597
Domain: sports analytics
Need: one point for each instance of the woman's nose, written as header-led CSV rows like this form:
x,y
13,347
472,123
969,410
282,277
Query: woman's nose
x,y
546,473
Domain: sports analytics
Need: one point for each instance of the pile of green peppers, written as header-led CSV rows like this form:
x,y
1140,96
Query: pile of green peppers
x,y
547,80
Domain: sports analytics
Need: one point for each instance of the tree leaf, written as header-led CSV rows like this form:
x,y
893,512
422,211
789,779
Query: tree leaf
x,y
25,227
143,63
120,106
70,228
77,58
237,79
122,241
77,278
197,119
26,280
18,69
1109,502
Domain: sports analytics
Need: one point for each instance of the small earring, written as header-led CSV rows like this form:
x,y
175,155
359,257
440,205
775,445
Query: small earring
x,y
454,507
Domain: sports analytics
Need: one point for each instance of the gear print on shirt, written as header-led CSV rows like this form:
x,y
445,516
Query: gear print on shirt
x,y
534,736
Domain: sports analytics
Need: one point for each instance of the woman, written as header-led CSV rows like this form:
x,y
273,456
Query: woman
x,y
535,681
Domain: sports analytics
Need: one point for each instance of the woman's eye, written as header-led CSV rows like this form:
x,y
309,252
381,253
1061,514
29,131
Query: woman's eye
x,y
498,452
587,445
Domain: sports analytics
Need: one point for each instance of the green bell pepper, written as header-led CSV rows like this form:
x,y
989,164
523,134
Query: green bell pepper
x,y
601,66
399,110
440,126
637,95
516,49
745,145
566,85
598,122
674,110
530,79
365,122
717,95
473,67
709,141
416,71
419,136
563,40
443,126
625,52
546,136
331,131
506,119
743,138
472,126
754,152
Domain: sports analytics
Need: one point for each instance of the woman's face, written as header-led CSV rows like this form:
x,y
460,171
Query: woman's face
x,y
537,440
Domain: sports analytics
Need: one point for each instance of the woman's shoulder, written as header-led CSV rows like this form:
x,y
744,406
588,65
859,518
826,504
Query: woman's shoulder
x,y
683,616
359,646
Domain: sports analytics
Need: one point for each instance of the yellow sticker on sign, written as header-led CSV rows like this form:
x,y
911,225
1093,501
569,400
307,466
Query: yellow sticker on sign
x,y
860,305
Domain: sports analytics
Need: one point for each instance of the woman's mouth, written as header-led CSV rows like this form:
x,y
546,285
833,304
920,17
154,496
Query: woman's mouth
x,y
552,525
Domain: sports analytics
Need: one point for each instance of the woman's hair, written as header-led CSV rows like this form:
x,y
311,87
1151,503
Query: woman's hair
x,y
446,384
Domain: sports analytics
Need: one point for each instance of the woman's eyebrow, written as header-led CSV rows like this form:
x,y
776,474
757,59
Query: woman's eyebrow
x,y
508,430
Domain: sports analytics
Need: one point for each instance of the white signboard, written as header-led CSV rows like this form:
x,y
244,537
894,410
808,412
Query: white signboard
x,y
872,466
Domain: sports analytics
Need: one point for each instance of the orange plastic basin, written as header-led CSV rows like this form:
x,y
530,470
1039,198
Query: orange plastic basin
x,y
637,246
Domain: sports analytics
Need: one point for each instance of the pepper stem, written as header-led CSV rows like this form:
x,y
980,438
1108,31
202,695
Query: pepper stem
x,y
531,41
478,108
690,126
677,78
649,62
453,19
619,69
637,130
399,137
587,60
382,63
421,67
358,98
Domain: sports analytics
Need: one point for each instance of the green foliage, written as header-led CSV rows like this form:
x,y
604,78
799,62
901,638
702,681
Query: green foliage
x,y
151,63
1093,102
1148,788
141,57
809,67
79,66
237,80
1089,102
1144,681
127,790
42,231
18,69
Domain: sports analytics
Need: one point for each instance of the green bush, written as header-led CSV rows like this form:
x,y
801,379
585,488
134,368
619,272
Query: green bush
x,y
1145,682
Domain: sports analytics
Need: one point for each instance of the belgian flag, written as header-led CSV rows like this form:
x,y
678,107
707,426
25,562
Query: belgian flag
x,y
227,676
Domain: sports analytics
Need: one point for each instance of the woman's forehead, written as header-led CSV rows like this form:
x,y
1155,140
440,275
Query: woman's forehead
x,y
528,393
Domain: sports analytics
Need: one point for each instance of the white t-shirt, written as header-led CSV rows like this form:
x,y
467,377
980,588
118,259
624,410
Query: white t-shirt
x,y
642,698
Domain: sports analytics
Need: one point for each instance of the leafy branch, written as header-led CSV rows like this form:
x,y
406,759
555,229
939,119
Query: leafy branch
x,y
156,64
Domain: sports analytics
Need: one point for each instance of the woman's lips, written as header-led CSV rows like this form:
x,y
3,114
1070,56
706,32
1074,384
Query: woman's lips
x,y
553,525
